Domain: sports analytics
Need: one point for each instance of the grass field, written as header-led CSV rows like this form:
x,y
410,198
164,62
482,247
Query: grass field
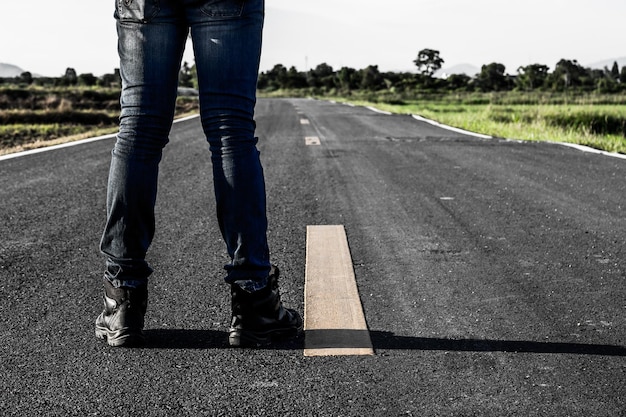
x,y
36,117
593,120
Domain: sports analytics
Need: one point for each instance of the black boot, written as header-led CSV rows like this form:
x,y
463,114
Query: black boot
x,y
121,322
259,317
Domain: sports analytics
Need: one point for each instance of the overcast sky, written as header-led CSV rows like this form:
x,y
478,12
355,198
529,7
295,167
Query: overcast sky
x,y
46,37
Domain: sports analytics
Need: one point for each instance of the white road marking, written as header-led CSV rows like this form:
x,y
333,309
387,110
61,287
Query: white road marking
x,y
76,142
583,148
312,140
453,129
53,147
374,109
334,322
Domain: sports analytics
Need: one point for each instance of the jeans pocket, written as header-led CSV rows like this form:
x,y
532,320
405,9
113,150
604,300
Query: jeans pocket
x,y
136,10
223,8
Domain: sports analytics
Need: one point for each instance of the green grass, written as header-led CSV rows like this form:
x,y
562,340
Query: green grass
x,y
35,117
17,138
584,120
20,135
23,129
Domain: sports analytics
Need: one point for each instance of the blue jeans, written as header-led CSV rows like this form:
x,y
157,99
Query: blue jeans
x,y
226,37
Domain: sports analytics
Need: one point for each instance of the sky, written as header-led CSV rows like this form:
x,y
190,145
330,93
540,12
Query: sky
x,y
45,37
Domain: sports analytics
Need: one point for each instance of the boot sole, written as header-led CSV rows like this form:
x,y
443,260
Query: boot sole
x,y
120,338
246,338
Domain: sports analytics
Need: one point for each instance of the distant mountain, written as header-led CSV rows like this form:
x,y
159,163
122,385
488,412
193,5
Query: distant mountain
x,y
467,69
621,62
9,70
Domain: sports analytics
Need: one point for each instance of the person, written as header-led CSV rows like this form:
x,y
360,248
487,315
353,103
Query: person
x,y
226,37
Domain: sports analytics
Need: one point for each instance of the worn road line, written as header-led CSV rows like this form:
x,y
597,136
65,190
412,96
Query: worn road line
x,y
312,140
334,322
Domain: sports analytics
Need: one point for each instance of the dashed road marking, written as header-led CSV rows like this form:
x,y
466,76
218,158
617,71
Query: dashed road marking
x,y
312,140
334,322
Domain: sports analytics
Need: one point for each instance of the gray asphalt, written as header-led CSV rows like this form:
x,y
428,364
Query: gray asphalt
x,y
491,274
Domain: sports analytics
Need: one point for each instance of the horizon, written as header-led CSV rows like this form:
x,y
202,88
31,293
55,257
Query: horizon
x,y
304,34
446,69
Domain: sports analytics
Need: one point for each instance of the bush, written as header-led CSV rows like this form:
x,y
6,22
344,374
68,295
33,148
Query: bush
x,y
601,124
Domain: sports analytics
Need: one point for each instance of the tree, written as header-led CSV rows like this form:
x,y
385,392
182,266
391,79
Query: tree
x,y
568,73
88,79
321,76
295,78
111,80
70,77
458,81
26,77
532,76
273,79
428,62
606,85
371,78
615,71
186,76
492,77
348,79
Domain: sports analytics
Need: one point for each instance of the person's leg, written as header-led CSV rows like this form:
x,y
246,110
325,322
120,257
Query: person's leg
x,y
150,45
151,39
227,44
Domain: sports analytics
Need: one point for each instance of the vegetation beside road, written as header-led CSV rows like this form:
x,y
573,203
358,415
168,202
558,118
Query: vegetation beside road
x,y
571,103
597,121
33,117
36,116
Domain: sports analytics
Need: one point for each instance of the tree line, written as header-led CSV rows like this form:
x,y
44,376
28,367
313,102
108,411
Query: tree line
x,y
567,75
69,79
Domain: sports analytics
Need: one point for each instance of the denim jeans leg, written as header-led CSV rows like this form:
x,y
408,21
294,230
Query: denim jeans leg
x,y
227,45
150,55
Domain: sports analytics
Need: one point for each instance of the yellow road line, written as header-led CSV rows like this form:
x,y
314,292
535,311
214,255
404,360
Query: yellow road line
x,y
334,322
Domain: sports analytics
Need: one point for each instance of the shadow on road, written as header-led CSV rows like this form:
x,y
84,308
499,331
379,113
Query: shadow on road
x,y
201,339
387,340
215,339
185,339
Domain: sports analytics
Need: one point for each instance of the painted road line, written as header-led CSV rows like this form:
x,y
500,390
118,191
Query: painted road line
x,y
374,109
584,148
54,147
312,140
76,142
453,129
334,322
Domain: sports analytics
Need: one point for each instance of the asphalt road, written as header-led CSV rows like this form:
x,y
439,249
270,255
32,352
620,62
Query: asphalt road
x,y
491,274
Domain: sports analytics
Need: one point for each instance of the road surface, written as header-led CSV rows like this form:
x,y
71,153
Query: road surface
x,y
491,275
